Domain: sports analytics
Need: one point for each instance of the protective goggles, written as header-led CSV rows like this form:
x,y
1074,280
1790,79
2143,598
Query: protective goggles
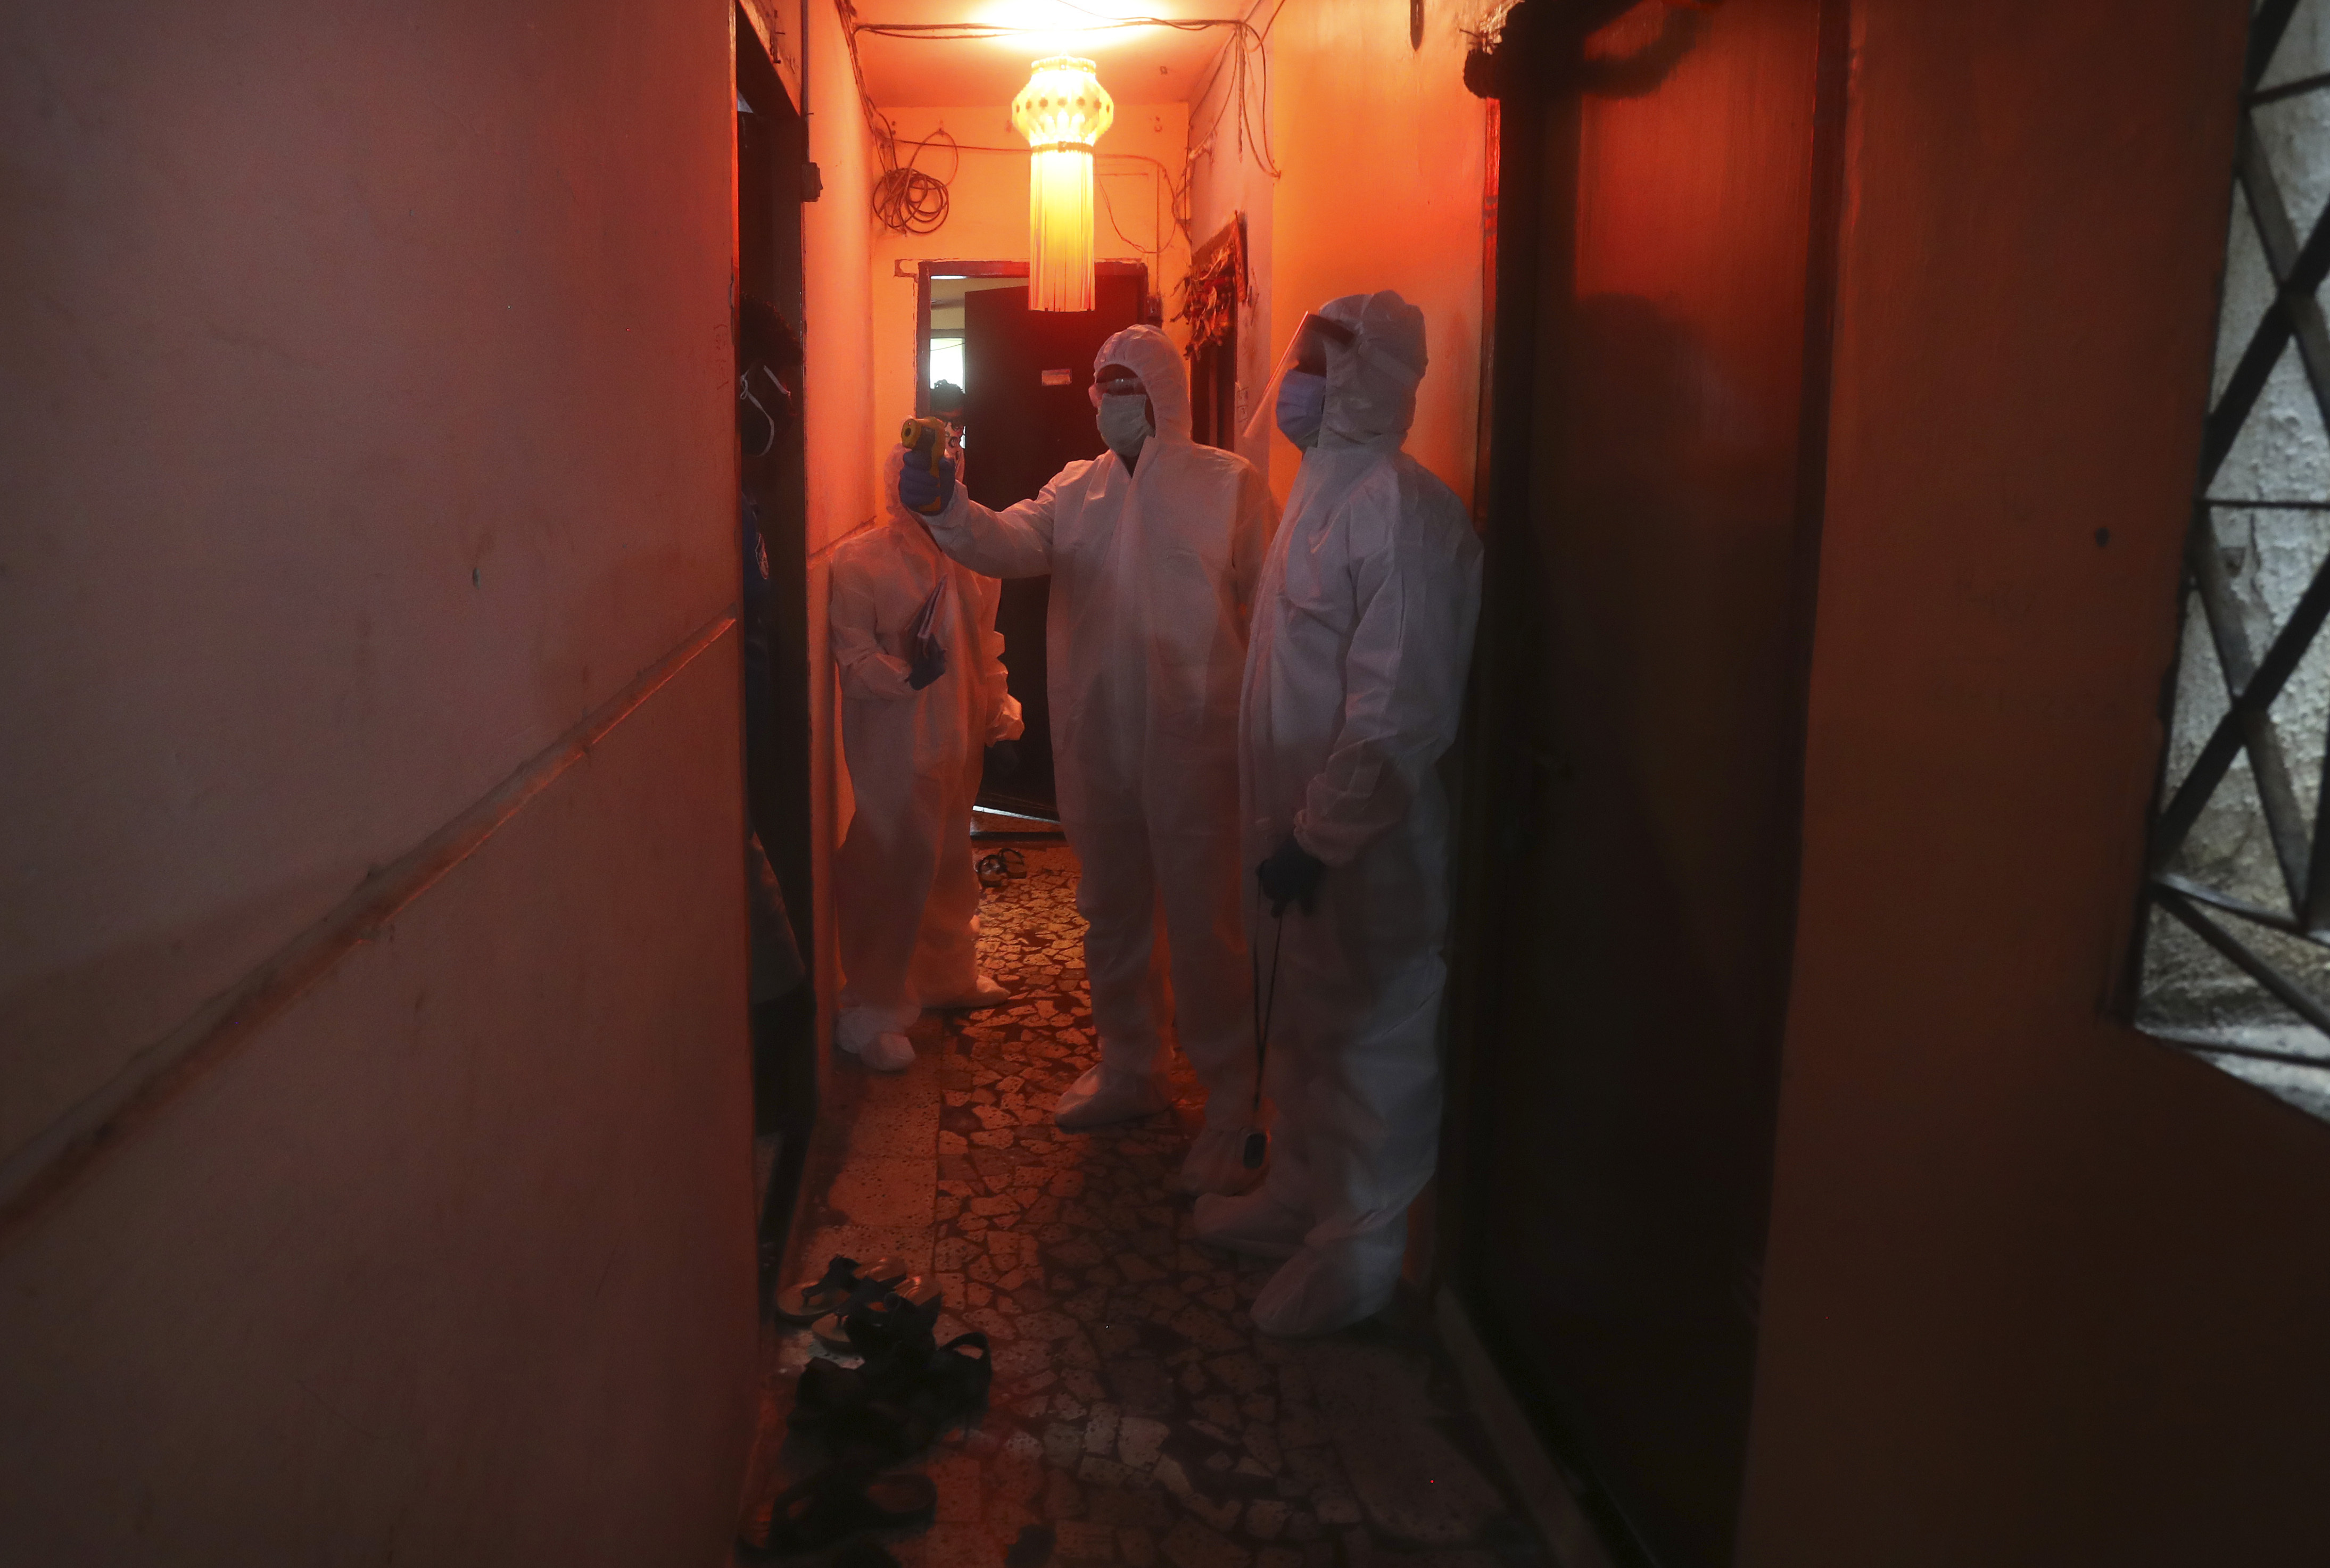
x,y
1119,385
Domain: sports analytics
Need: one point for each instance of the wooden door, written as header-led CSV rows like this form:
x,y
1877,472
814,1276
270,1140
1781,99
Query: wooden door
x,y
1026,415
1659,386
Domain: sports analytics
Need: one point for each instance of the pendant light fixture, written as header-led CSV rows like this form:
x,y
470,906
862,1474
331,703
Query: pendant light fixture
x,y
1062,111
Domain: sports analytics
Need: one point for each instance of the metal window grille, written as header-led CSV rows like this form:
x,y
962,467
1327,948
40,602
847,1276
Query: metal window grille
x,y
2237,956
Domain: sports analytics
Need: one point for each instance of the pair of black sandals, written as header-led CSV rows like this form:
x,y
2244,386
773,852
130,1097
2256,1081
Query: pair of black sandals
x,y
906,1392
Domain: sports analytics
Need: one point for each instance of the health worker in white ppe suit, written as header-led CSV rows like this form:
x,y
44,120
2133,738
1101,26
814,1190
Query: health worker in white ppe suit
x,y
1154,548
923,698
1362,637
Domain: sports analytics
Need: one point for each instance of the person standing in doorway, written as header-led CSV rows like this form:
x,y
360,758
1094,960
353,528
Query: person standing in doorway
x,y
1154,549
1362,640
923,698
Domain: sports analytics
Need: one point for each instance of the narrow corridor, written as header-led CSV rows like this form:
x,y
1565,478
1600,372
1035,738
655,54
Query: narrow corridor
x,y
1136,1417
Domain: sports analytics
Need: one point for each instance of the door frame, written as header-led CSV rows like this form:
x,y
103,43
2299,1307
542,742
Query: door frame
x,y
926,270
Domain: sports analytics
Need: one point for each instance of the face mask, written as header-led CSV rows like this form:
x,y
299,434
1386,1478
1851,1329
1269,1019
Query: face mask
x,y
1123,423
1301,407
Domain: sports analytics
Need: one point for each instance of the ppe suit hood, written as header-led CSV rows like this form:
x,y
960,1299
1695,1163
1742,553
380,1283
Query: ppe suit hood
x,y
1371,385
1151,355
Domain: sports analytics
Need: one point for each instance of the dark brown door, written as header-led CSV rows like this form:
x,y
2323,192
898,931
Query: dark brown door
x,y
1653,517
1026,415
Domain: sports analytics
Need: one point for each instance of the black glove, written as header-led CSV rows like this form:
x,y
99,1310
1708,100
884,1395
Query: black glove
x,y
920,490
1002,760
1291,876
929,665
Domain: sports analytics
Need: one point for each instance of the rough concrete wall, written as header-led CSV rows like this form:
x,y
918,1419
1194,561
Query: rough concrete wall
x,y
366,426
2039,1292
2270,556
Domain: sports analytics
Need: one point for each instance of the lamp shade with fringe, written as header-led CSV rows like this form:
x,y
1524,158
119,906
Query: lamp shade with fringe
x,y
1062,111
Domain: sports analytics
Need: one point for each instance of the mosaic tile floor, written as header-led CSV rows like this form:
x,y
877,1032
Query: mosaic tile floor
x,y
1137,1418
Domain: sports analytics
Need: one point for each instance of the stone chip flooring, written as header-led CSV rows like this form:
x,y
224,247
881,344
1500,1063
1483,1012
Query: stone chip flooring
x,y
1137,1417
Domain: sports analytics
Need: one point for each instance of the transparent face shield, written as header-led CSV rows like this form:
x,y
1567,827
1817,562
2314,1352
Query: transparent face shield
x,y
1305,351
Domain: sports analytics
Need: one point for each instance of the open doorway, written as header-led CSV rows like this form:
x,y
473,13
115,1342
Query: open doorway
x,y
771,164
1025,414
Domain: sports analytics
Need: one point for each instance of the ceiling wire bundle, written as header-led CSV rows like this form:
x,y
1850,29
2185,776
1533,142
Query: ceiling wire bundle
x,y
1249,64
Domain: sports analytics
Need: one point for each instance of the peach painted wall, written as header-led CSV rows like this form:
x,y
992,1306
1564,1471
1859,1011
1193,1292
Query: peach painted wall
x,y
2040,1292
987,220
366,420
1380,150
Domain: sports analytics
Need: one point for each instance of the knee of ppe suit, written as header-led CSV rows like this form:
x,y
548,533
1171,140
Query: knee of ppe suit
x,y
1216,1162
1256,1224
1106,1094
1332,1284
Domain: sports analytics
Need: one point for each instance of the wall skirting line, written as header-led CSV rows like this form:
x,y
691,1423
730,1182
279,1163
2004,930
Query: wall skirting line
x,y
1544,1492
46,1166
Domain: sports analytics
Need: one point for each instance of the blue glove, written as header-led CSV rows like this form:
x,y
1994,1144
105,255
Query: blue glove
x,y
926,492
1291,876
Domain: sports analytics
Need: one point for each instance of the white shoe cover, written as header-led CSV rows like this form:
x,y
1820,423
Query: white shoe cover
x,y
1104,1095
985,994
885,1052
1214,1164
1256,1224
1332,1285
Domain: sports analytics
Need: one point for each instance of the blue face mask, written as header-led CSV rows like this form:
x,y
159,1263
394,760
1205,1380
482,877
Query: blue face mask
x,y
1301,407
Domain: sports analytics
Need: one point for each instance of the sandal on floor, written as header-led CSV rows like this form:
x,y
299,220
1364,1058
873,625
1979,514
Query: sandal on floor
x,y
841,1501
952,1388
864,1294
814,1298
877,1317
825,1389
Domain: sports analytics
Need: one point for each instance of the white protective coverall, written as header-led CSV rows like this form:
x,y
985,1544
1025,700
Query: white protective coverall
x,y
1362,637
907,889
1153,571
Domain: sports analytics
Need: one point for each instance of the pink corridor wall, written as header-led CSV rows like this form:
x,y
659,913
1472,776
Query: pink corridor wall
x,y
368,433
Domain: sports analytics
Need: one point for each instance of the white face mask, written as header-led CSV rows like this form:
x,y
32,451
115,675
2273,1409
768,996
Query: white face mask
x,y
1124,421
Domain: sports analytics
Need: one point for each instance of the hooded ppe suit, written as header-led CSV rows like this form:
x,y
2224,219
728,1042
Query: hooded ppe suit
x,y
906,891
1154,569
1362,637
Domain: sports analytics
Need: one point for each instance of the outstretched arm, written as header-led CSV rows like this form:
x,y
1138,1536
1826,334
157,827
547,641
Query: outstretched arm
x,y
1013,542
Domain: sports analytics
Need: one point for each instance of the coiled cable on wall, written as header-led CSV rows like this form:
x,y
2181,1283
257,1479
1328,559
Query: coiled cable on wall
x,y
908,199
